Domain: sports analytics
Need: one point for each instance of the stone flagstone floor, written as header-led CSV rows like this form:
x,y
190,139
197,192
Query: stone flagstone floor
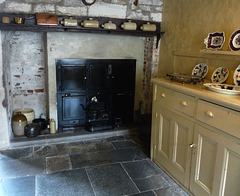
x,y
113,166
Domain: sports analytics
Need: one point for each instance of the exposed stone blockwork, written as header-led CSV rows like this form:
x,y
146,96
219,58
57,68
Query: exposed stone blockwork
x,y
145,10
151,53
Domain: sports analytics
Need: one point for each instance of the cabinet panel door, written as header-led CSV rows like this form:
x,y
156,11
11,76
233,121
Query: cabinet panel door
x,y
231,169
182,135
206,159
163,140
174,134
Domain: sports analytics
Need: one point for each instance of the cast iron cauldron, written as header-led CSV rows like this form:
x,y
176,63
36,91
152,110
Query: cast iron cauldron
x,y
32,130
41,122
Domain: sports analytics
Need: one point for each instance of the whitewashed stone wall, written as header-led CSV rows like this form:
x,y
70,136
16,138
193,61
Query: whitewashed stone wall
x,y
150,10
13,91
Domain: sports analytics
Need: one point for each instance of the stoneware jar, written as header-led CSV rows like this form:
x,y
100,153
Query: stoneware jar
x,y
70,22
28,112
32,130
148,27
90,23
19,121
129,25
109,25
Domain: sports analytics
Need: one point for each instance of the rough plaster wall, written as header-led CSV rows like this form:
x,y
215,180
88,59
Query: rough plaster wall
x,y
60,45
4,123
186,24
26,62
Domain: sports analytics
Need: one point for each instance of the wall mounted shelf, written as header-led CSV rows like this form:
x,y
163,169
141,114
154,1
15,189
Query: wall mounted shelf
x,y
30,24
210,54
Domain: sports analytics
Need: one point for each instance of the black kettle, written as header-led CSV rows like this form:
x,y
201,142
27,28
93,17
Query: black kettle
x,y
41,122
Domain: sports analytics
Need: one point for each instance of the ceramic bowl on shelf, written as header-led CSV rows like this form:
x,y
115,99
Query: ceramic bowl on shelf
x,y
214,40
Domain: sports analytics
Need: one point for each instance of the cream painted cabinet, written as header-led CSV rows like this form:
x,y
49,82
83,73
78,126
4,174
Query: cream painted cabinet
x,y
205,170
215,168
197,142
172,134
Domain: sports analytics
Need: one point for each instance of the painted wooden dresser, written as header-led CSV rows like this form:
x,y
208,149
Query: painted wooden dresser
x,y
196,137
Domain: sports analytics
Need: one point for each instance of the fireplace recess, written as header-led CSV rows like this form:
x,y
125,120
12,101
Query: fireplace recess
x,y
108,85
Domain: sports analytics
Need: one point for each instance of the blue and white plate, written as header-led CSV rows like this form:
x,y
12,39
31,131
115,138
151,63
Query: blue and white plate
x,y
200,70
236,76
220,75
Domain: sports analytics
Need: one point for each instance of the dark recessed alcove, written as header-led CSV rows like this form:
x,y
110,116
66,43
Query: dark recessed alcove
x,y
95,93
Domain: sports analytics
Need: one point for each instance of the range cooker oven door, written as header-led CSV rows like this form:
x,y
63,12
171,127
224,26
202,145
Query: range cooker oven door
x,y
71,78
72,110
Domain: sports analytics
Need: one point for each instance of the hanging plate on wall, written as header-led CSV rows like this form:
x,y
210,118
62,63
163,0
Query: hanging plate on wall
x,y
234,43
214,40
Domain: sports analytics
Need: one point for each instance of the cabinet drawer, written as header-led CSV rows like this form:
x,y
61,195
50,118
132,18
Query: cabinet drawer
x,y
222,118
176,101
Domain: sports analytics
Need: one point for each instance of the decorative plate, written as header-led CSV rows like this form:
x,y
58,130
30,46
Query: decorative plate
x,y
220,75
214,40
200,70
236,76
234,43
223,88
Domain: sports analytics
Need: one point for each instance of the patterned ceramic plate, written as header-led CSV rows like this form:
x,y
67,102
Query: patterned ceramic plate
x,y
223,88
236,76
200,70
220,75
234,43
214,40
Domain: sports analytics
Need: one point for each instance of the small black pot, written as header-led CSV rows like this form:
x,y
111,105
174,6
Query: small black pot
x,y
41,122
32,130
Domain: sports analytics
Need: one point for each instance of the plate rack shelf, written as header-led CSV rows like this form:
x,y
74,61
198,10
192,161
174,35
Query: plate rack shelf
x,y
210,54
30,24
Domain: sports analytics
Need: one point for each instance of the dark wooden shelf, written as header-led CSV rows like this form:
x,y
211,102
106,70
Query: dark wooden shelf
x,y
30,24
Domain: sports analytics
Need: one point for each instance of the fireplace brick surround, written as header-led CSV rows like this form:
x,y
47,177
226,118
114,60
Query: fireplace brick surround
x,y
24,59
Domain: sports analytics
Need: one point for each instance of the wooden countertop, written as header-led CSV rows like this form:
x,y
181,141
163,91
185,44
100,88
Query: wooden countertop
x,y
198,90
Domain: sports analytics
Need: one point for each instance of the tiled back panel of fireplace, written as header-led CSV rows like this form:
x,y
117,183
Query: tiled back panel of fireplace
x,y
79,81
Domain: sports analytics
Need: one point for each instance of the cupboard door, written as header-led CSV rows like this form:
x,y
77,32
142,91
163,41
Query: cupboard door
x,y
174,134
182,135
231,169
163,137
206,161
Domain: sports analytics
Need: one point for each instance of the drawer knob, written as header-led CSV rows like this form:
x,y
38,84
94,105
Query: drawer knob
x,y
184,103
209,113
163,95
192,145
